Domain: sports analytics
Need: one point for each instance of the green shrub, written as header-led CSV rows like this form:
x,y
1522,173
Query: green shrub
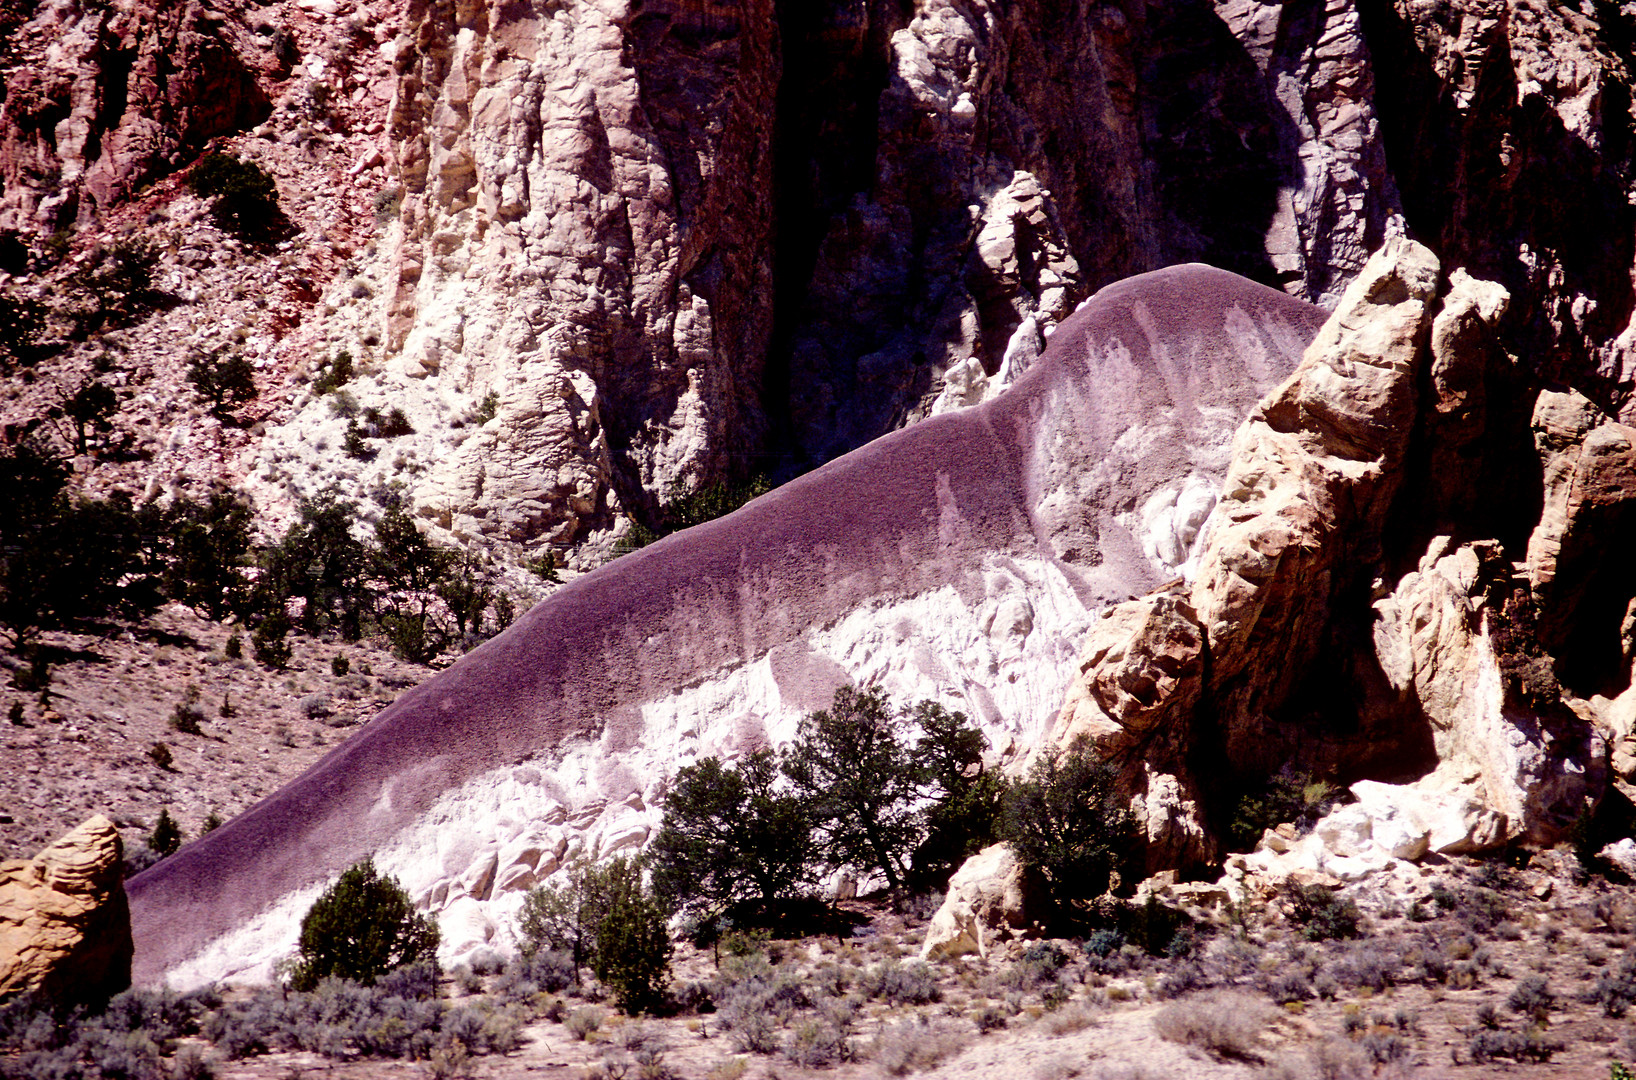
x,y
462,587
222,380
860,782
395,424
119,286
320,560
1615,991
963,815
1321,914
1532,998
270,640
682,509
335,375
66,558
353,444
1068,822
161,756
1529,1045
167,835
23,341
186,718
730,836
1291,796
85,413
362,927
563,917
245,193
897,984
411,637
387,203
633,944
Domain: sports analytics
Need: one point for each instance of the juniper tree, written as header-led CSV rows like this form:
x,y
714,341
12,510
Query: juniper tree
x,y
360,928
1068,821
731,836
224,380
860,782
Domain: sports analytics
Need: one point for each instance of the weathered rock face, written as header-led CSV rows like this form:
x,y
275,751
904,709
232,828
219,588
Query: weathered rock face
x,y
1458,675
65,929
585,234
116,95
1492,112
1140,676
1456,634
1313,473
960,559
1575,561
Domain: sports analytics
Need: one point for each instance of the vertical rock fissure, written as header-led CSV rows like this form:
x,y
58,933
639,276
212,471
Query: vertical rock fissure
x,y
825,131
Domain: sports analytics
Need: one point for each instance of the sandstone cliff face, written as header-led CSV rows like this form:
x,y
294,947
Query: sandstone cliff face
x,y
1313,473
585,233
811,224
65,930
678,243
1302,643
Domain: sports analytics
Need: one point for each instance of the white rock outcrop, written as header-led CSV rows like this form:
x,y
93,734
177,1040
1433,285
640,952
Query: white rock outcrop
x,y
985,903
1387,824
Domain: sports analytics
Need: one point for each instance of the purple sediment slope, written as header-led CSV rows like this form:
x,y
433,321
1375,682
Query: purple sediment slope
x,y
1140,388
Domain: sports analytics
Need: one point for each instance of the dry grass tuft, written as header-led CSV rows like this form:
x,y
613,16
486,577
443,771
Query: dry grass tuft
x,y
1070,1018
1226,1024
914,1045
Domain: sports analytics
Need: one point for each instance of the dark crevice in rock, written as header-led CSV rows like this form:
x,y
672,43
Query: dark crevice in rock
x,y
835,66
1482,181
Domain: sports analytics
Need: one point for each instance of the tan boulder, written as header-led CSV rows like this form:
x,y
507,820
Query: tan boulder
x,y
65,930
1140,663
985,904
1314,469
1140,674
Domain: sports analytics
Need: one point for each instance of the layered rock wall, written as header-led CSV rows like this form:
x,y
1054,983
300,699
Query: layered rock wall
x,y
65,928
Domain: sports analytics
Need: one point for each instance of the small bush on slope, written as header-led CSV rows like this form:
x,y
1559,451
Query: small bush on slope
x,y
362,927
1226,1024
245,193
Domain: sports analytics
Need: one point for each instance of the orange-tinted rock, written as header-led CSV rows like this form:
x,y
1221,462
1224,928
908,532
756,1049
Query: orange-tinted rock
x,y
65,930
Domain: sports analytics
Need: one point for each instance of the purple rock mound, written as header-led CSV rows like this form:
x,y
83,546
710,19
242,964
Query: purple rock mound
x,y
960,558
